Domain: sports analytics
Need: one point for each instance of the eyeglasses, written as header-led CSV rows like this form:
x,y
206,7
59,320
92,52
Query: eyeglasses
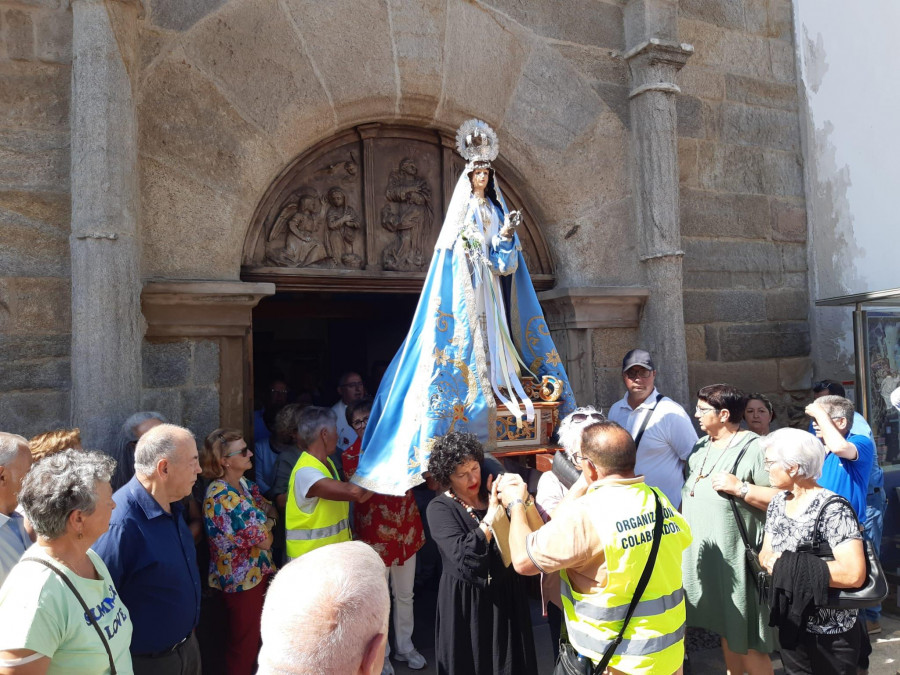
x,y
353,385
581,417
356,424
578,458
641,373
702,411
243,452
769,463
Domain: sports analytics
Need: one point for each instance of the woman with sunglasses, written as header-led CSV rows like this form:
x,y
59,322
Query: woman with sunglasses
x,y
239,523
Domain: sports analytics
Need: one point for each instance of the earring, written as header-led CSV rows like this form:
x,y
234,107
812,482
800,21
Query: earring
x,y
81,535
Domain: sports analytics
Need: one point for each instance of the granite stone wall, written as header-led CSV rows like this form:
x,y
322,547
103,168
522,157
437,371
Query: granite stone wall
x,y
743,217
180,379
35,317
228,92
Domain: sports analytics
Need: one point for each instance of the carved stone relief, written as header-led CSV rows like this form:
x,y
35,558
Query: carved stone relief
x,y
370,199
409,215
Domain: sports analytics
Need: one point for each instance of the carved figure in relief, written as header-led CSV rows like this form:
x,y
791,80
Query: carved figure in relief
x,y
408,213
293,240
346,171
343,226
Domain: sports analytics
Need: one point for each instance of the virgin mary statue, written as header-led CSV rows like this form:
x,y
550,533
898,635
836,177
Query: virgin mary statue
x,y
477,331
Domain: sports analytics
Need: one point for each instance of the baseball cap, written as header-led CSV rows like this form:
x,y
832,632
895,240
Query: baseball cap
x,y
637,357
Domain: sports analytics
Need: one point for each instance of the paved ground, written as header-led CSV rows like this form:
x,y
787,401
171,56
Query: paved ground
x,y
704,657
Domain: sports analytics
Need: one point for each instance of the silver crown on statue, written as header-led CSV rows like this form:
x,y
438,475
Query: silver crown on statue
x,y
477,143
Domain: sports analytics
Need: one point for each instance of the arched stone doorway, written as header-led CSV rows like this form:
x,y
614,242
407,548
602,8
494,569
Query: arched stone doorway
x,y
346,234
362,211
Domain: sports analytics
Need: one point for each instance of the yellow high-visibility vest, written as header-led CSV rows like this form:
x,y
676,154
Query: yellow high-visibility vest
x,y
329,522
624,517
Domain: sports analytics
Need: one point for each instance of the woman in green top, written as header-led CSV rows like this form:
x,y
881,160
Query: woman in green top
x,y
68,499
720,591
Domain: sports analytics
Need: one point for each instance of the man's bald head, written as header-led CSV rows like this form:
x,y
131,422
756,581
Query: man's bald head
x,y
609,447
326,613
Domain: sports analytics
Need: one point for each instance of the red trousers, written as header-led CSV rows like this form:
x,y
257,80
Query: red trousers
x,y
244,612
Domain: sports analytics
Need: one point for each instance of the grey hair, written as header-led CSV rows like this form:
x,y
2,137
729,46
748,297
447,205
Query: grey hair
x,y
160,442
322,611
837,406
569,433
9,446
311,421
60,484
795,447
124,449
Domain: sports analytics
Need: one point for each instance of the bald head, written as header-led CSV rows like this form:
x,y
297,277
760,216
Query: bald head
x,y
610,448
326,613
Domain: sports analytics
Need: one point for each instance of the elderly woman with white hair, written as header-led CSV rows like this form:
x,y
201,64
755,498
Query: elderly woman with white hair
x,y
59,607
827,641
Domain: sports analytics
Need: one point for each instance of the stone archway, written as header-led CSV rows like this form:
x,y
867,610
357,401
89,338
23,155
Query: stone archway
x,y
362,211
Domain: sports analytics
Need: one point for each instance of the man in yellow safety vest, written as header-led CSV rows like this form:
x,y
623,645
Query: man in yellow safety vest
x,y
317,512
599,538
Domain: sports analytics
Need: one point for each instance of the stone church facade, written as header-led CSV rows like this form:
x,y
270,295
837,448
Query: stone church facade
x,y
167,164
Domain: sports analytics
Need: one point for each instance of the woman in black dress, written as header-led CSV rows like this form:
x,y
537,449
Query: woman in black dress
x,y
483,624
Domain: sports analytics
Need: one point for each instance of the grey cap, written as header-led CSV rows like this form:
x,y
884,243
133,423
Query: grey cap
x,y
637,357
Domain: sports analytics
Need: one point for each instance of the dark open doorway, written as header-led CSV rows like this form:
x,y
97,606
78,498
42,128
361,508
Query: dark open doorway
x,y
308,339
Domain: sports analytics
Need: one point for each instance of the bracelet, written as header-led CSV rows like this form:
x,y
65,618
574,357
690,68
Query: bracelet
x,y
512,504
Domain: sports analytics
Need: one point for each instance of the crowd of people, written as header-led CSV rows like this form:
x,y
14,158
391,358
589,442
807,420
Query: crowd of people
x,y
108,560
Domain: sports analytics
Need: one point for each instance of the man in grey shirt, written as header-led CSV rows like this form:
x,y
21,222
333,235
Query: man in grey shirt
x,y
668,433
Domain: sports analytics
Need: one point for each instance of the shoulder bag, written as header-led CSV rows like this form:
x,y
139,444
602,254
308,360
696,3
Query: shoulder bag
x,y
873,590
87,611
761,578
570,662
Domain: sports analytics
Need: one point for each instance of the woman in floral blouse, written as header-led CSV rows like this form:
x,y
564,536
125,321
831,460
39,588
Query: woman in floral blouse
x,y
239,523
393,527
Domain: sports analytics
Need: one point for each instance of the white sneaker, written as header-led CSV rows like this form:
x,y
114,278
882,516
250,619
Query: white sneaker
x,y
387,668
413,659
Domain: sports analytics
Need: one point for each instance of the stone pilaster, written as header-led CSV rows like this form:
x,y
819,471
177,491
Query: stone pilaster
x,y
106,314
572,313
654,57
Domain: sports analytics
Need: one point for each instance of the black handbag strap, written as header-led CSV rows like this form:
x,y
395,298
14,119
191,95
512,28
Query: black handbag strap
x,y
87,611
640,433
731,499
830,500
641,585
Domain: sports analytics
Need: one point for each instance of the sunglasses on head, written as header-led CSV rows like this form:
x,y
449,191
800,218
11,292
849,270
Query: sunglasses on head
x,y
581,417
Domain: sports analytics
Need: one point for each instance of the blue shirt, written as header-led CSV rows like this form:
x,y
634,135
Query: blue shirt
x,y
151,558
13,542
850,478
861,428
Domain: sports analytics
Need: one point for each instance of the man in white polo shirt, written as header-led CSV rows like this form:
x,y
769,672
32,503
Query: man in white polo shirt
x,y
661,428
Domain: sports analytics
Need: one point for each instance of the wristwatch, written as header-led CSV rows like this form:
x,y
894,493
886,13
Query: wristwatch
x,y
745,488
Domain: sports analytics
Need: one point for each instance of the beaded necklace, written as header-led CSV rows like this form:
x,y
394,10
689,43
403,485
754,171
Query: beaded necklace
x,y
709,448
469,509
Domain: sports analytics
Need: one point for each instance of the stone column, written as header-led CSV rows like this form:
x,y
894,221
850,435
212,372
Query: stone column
x,y
106,313
654,57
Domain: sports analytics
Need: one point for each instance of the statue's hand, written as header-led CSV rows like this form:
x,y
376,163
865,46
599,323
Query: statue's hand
x,y
510,223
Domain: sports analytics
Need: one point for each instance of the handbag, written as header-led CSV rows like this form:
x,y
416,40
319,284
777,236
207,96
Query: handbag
x,y
570,662
87,612
874,588
761,578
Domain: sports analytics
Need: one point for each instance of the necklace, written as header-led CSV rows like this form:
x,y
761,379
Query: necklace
x,y
469,509
701,475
